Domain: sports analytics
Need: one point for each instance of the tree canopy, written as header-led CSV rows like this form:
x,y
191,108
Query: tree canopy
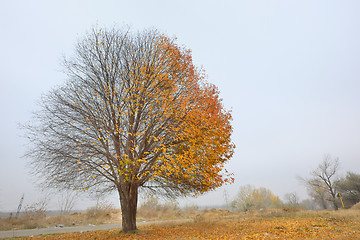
x,y
135,112
349,188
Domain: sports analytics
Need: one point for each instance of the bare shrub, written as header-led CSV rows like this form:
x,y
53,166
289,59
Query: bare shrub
x,y
152,208
199,218
191,207
37,209
101,210
356,206
67,201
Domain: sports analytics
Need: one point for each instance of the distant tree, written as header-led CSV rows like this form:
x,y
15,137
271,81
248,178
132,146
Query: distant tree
x,y
292,199
349,188
134,113
251,198
226,198
321,184
317,190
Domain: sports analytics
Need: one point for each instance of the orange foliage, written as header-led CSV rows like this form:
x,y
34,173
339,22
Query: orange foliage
x,y
135,112
159,120
200,130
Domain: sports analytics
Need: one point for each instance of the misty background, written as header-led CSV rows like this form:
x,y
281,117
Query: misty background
x,y
288,70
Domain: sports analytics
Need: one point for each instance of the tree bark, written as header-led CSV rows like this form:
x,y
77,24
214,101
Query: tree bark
x,y
128,201
333,195
335,206
334,202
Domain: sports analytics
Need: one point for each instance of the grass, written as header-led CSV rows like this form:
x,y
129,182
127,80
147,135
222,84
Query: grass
x,y
95,215
223,224
75,219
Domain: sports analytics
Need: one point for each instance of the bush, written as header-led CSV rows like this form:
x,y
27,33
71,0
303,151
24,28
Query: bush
x,y
37,209
101,209
356,206
250,198
152,208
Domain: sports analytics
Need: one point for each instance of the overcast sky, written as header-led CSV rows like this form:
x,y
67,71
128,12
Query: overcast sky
x,y
288,70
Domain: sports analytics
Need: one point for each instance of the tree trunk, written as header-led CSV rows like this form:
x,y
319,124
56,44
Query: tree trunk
x,y
335,204
333,195
128,200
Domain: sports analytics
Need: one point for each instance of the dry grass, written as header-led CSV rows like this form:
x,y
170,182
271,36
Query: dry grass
x,y
153,210
100,214
356,206
286,223
222,224
75,219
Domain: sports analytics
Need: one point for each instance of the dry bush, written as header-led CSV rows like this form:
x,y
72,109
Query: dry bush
x,y
75,219
356,206
22,223
153,209
251,198
102,212
38,209
67,201
32,212
199,218
33,217
213,215
191,207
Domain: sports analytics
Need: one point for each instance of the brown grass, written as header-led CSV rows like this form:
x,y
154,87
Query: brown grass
x,y
356,206
286,223
152,209
75,219
223,224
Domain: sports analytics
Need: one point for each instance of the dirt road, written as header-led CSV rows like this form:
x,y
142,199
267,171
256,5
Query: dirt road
x,y
52,230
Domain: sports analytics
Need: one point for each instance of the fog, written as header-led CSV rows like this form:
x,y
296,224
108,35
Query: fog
x,y
288,70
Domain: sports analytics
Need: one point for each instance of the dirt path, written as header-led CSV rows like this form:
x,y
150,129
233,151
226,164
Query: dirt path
x,y
52,230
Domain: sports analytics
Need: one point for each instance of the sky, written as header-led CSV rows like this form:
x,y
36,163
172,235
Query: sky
x,y
288,70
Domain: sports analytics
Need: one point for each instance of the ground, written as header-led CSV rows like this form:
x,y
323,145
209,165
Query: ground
x,y
222,224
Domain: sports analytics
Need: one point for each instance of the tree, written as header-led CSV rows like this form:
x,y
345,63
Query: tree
x,y
321,184
251,198
318,192
349,188
135,113
292,199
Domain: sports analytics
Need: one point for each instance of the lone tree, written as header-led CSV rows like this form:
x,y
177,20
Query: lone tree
x,y
134,113
321,185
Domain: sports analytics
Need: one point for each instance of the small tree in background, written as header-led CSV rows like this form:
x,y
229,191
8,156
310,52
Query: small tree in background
x,y
134,114
292,199
251,198
321,185
317,190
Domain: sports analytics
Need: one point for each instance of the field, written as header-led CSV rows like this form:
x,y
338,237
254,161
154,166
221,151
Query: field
x,y
284,223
